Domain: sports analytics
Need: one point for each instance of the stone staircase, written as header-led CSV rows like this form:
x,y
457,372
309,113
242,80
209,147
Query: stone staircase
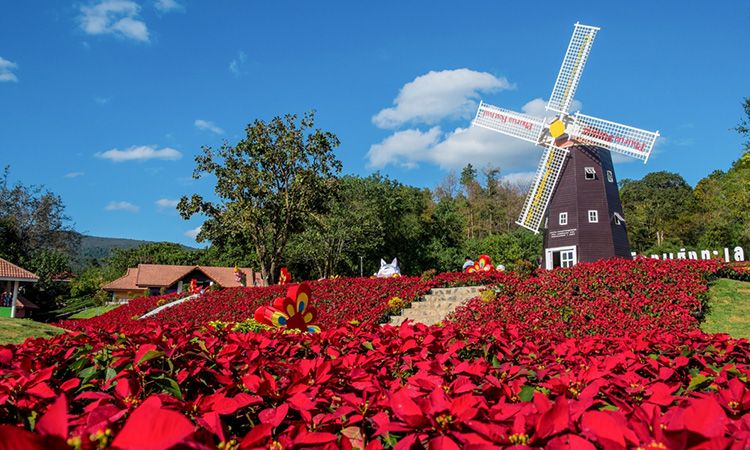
x,y
436,305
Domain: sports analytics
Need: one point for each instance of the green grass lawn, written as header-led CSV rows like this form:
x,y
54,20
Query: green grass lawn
x,y
92,312
15,331
729,310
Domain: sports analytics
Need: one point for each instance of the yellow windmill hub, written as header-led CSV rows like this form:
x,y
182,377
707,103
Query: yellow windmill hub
x,y
557,128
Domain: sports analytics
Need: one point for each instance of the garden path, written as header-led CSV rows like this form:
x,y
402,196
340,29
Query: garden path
x,y
436,305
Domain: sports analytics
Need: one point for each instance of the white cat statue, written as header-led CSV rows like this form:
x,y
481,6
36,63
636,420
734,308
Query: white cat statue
x,y
389,270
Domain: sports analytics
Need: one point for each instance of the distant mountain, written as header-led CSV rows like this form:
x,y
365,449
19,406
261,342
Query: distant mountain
x,y
95,247
98,248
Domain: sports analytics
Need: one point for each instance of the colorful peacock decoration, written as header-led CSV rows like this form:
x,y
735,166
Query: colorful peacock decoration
x,y
482,264
290,312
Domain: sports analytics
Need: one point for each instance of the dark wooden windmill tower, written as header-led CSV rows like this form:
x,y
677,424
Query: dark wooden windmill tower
x,y
575,195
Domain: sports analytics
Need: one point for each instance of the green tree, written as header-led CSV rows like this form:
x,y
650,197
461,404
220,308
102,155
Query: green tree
x,y
445,230
723,205
32,219
469,198
659,211
267,185
507,248
152,253
744,126
53,269
334,239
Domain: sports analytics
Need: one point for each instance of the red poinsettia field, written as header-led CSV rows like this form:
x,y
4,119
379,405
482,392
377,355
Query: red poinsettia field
x,y
606,355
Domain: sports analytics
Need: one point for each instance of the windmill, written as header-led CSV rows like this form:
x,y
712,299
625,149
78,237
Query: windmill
x,y
575,184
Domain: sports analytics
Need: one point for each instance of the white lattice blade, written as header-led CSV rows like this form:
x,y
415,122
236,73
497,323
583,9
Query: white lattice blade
x,y
572,68
540,194
518,125
613,136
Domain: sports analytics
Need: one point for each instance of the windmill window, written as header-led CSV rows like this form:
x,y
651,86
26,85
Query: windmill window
x,y
563,218
590,173
619,220
610,176
593,216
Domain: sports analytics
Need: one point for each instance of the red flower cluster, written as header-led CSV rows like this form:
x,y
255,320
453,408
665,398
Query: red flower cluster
x,y
350,387
338,301
121,315
613,298
512,382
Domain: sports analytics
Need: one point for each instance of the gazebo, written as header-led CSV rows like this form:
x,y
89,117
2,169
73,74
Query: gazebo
x,y
11,276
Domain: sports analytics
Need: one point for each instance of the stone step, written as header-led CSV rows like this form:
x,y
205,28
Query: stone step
x,y
436,305
461,291
398,320
433,307
439,301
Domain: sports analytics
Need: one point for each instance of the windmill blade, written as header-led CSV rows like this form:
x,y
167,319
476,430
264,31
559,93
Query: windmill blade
x,y
518,125
613,136
541,192
572,68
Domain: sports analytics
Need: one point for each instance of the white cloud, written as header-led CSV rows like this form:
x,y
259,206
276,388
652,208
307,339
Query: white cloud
x,y
73,174
522,180
166,6
164,203
140,153
536,108
439,95
121,206
405,148
193,233
207,125
116,17
6,70
235,65
455,149
102,100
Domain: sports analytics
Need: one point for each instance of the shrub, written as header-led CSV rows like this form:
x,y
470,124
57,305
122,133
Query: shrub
x,y
488,295
428,274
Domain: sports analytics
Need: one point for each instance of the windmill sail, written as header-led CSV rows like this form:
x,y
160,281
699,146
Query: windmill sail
x,y
518,125
613,136
572,68
540,193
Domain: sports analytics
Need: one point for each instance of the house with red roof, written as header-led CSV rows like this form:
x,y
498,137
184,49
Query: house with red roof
x,y
11,277
156,279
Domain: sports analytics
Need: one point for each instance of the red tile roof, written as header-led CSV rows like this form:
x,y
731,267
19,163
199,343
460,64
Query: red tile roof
x,y
13,272
158,275
225,275
125,282
164,275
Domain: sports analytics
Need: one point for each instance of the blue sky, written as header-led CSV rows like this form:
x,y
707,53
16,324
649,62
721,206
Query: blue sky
x,y
107,102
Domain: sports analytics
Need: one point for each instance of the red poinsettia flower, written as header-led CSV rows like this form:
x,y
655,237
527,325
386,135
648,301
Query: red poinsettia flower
x,y
293,311
284,276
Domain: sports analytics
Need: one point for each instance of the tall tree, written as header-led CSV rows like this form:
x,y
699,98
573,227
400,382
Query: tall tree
x,y
335,239
744,126
657,209
724,205
32,219
472,191
268,184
